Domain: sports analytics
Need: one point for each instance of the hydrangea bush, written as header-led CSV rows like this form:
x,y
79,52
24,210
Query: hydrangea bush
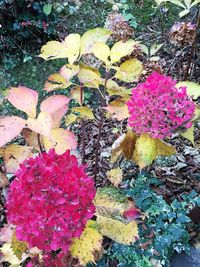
x,y
50,201
158,108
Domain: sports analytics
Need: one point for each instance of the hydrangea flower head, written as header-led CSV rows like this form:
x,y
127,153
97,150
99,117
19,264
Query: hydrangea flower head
x,y
158,108
50,201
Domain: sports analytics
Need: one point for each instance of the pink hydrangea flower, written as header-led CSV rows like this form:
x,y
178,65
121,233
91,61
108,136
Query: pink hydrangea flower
x,y
50,201
158,108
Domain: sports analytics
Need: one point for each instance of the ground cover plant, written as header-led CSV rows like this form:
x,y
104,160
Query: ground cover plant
x,y
87,167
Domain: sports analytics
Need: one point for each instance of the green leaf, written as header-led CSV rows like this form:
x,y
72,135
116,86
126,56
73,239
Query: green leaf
x,y
129,71
47,9
189,134
193,89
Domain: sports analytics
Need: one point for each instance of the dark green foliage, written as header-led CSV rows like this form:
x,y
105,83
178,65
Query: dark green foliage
x,y
166,223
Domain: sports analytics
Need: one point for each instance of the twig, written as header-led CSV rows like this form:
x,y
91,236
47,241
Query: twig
x,y
103,102
194,44
39,143
82,128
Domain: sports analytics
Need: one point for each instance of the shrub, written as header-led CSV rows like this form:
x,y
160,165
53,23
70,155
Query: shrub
x,y
158,108
54,203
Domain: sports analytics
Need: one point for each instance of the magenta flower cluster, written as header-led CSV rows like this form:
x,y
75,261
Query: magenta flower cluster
x,y
50,201
158,108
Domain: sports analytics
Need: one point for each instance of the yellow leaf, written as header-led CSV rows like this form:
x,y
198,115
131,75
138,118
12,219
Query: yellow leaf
x,y
117,109
121,49
196,114
129,71
71,118
18,247
61,140
89,243
89,77
53,50
193,89
145,150
84,113
128,144
73,42
164,149
56,81
114,89
69,71
121,233
14,155
101,51
75,94
90,37
189,134
111,202
8,254
115,176
42,124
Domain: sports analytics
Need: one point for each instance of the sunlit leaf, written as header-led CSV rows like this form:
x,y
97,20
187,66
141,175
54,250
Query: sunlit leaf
x,y
121,49
129,71
111,202
84,112
189,134
42,124
53,50
56,106
89,243
115,176
147,149
101,51
89,77
193,89
56,81
164,149
114,89
73,42
18,247
71,118
24,99
69,71
10,127
117,109
121,233
196,114
61,140
184,13
14,155
90,37
8,254
177,2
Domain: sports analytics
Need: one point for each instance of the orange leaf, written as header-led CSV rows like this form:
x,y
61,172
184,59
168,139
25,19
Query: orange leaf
x,y
31,138
24,99
117,110
75,94
10,127
14,155
55,82
42,124
56,106
61,140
